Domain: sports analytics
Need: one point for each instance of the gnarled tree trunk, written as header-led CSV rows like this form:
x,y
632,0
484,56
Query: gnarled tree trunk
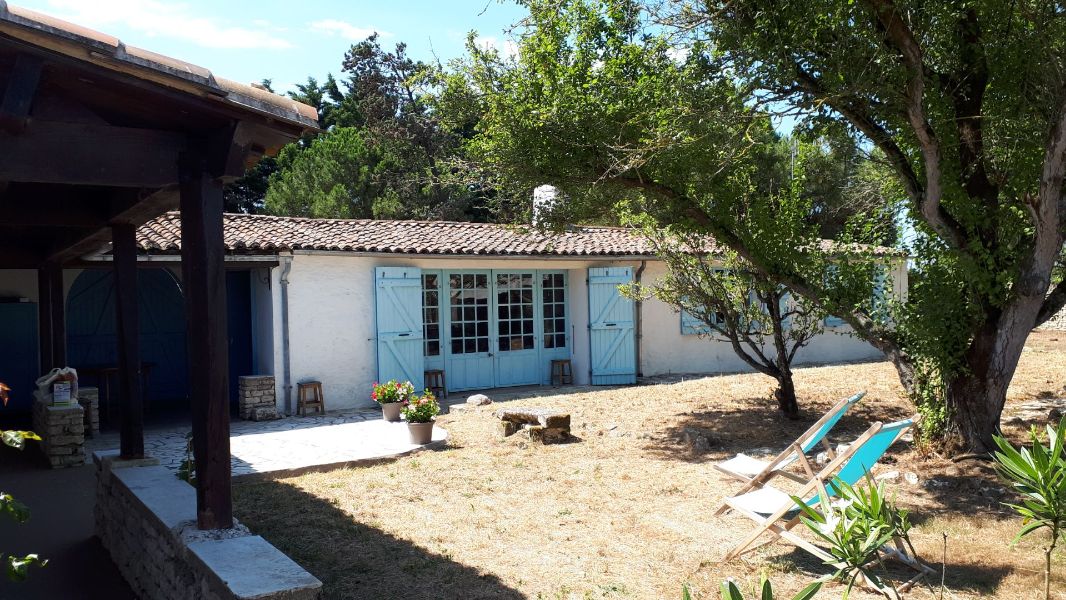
x,y
785,394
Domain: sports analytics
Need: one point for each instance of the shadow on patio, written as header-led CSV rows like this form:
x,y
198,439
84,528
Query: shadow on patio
x,y
355,560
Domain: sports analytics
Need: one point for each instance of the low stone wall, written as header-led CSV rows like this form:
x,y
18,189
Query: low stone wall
x,y
146,519
62,431
256,400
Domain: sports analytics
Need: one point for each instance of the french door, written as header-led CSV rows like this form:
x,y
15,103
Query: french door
x,y
469,358
498,328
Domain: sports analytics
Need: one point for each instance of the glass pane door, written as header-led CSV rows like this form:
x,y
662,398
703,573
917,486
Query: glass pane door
x,y
517,356
469,357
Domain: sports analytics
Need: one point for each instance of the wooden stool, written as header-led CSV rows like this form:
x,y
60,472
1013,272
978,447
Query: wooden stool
x,y
562,369
309,395
435,383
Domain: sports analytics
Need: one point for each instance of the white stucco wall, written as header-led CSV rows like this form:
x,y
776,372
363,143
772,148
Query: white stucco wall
x,y
332,318
332,324
665,350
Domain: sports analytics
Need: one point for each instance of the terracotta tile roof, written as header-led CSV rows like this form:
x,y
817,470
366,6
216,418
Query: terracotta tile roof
x,y
260,234
111,53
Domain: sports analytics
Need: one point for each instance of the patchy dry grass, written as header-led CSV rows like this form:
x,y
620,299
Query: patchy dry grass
x,y
626,511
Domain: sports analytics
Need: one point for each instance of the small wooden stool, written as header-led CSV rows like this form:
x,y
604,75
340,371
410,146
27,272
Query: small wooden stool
x,y
435,383
309,395
562,369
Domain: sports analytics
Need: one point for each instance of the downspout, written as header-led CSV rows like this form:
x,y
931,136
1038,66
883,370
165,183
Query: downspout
x,y
640,318
286,266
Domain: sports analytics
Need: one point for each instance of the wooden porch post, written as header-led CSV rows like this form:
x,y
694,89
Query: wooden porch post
x,y
204,280
51,317
124,249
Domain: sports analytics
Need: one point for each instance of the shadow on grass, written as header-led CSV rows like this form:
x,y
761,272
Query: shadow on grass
x,y
977,579
758,425
353,559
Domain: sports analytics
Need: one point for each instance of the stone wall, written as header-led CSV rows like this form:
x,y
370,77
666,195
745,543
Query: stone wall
x,y
89,399
146,519
62,431
255,398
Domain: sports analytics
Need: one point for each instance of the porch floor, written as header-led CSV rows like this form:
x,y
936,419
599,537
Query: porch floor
x,y
288,445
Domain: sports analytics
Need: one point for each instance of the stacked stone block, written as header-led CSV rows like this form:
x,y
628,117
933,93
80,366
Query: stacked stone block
x,y
89,399
62,431
534,424
256,400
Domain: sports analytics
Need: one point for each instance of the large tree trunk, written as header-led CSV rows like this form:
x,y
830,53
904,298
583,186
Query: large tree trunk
x,y
976,396
785,394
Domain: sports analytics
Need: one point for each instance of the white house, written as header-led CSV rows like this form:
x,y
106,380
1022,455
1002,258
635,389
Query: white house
x,y
351,302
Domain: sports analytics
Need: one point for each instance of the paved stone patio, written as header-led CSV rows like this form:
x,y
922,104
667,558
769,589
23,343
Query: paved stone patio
x,y
289,444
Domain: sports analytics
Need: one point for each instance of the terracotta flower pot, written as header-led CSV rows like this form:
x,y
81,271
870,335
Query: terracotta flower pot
x,y
390,411
421,433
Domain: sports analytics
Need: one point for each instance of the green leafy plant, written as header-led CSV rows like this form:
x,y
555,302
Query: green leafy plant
x,y
421,409
1039,475
730,591
856,529
17,567
392,391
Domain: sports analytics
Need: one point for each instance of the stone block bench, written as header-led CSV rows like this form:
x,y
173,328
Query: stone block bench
x,y
146,519
535,424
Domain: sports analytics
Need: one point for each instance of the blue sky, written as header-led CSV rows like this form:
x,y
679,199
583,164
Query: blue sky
x,y
284,40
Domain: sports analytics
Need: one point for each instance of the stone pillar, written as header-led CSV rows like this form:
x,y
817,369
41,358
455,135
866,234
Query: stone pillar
x,y
62,431
255,398
89,399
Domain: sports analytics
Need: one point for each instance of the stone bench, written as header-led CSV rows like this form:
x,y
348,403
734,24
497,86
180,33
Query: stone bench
x,y
535,424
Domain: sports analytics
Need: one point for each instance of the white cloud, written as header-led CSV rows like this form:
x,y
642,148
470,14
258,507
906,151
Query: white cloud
x,y
506,48
346,30
170,20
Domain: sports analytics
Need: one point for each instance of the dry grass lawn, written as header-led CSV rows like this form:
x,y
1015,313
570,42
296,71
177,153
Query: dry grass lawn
x,y
626,511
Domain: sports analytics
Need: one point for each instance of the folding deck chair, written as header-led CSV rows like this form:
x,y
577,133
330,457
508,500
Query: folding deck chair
x,y
768,505
755,473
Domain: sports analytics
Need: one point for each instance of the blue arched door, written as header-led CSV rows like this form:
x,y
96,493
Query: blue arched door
x,y
91,339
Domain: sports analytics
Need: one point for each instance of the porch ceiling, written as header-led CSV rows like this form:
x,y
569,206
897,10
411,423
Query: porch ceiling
x,y
92,132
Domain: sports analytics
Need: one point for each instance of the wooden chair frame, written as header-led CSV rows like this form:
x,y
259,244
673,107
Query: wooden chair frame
x,y
817,483
776,466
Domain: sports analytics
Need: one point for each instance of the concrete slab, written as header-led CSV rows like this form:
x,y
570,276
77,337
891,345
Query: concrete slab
x,y
252,568
293,444
172,500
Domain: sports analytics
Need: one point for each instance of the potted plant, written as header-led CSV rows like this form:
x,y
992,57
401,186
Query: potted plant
x,y
420,412
391,395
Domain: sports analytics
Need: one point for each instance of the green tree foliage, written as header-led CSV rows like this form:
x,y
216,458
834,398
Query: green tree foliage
x,y
385,153
332,176
662,109
1038,474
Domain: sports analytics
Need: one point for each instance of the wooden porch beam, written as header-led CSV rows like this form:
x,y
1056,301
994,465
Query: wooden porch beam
x,y
51,317
90,154
19,93
124,246
204,281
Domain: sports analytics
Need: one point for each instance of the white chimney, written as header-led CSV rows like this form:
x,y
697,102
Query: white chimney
x,y
544,202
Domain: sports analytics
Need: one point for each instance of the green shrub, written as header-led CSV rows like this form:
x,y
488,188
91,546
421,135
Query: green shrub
x,y
1039,475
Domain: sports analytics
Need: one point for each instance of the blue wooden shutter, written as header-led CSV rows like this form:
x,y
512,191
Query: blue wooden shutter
x,y
611,334
399,320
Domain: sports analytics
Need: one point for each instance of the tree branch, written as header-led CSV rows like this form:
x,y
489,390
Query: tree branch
x,y
900,38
